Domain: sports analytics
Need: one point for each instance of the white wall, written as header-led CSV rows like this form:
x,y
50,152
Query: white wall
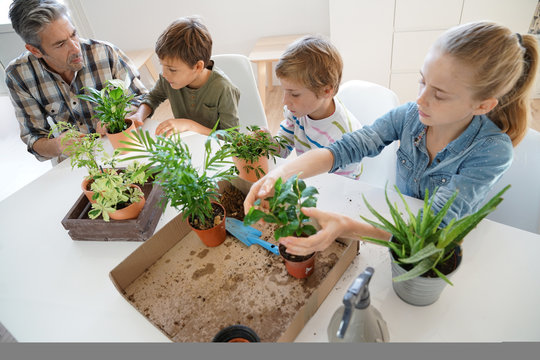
x,y
362,31
235,25
385,41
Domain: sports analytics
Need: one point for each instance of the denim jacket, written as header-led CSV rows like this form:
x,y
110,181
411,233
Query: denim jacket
x,y
472,163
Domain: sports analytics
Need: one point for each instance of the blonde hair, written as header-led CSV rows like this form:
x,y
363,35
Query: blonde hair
x,y
313,62
505,66
186,39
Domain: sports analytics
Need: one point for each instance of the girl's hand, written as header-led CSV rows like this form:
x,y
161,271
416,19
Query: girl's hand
x,y
263,188
332,226
173,126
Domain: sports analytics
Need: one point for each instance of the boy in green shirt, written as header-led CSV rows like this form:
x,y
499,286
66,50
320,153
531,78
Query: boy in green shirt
x,y
199,92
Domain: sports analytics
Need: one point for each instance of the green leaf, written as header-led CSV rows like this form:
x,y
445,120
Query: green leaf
x,y
419,269
425,252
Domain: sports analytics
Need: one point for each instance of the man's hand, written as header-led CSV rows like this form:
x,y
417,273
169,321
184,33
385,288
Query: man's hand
x,y
101,130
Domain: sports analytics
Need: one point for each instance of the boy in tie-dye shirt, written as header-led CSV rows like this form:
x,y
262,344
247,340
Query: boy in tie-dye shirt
x,y
310,73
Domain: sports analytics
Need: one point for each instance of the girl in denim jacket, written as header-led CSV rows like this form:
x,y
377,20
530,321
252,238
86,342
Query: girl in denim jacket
x,y
472,108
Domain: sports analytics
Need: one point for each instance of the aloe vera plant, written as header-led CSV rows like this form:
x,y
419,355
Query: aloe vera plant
x,y
418,240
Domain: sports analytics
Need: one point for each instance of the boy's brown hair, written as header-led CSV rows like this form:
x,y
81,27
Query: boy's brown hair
x,y
186,39
313,62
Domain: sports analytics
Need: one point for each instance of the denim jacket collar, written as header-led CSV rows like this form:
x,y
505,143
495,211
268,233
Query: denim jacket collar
x,y
463,141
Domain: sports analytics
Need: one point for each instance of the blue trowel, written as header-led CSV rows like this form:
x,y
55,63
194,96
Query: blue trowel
x,y
248,235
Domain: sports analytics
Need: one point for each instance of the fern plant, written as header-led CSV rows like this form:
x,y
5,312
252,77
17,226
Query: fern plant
x,y
419,241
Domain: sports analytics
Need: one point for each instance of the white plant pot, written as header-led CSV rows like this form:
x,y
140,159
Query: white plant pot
x,y
420,291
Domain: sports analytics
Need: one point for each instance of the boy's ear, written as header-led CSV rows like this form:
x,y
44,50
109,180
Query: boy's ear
x,y
199,66
486,106
328,91
34,50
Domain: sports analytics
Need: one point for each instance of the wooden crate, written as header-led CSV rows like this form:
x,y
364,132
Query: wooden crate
x,y
81,227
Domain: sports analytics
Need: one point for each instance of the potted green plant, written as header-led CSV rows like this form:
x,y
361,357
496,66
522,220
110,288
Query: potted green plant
x,y
113,104
116,194
192,190
251,151
284,210
424,254
111,191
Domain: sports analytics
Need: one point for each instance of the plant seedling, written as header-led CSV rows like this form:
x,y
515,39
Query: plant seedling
x,y
284,208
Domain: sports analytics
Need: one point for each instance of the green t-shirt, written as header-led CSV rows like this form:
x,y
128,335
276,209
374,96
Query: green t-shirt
x,y
216,99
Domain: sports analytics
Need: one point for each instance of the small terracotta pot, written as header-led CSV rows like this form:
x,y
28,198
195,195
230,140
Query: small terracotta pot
x,y
250,175
85,186
236,333
214,236
299,267
121,136
129,212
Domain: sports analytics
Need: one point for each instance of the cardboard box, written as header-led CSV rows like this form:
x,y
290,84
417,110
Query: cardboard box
x,y
190,291
81,227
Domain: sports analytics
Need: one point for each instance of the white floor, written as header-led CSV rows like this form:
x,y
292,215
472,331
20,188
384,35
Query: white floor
x,y
19,167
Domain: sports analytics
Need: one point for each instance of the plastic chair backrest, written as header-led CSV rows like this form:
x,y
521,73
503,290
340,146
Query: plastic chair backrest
x,y
238,69
367,102
521,205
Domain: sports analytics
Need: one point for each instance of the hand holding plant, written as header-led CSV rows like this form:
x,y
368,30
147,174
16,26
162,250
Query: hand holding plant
x,y
112,104
284,208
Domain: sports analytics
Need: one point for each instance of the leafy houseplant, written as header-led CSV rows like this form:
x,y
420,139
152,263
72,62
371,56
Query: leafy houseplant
x,y
111,189
192,190
114,191
284,210
419,245
252,150
112,104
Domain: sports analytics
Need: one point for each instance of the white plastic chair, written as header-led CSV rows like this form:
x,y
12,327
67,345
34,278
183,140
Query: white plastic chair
x,y
521,205
368,101
238,69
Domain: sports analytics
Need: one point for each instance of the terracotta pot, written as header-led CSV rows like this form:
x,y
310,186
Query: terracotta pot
x,y
129,212
421,291
299,267
214,236
236,333
85,186
121,136
250,175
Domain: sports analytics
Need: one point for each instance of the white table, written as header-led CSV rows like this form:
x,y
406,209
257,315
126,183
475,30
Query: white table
x,y
54,289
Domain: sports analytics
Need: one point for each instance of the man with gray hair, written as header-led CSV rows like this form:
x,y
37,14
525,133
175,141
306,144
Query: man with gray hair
x,y
45,80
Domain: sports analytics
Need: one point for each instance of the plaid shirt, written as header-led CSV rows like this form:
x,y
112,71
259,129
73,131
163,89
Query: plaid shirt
x,y
40,96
